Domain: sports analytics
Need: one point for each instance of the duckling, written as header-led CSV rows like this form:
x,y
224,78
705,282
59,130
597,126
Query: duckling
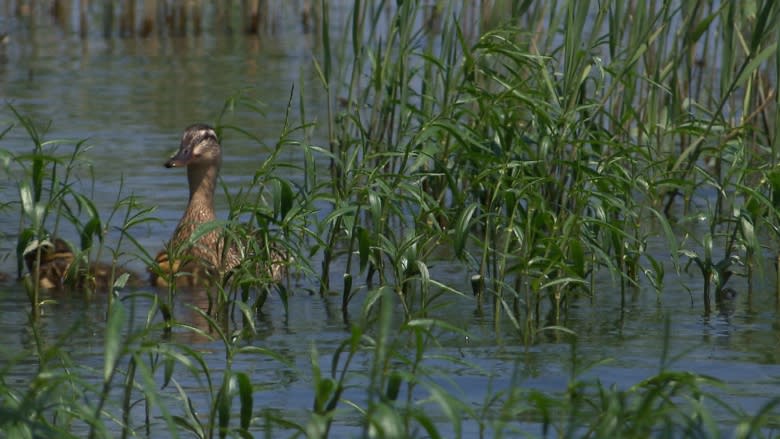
x,y
55,260
100,277
55,268
187,271
204,261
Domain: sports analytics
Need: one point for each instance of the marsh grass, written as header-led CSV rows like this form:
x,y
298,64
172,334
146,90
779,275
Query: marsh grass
x,y
540,151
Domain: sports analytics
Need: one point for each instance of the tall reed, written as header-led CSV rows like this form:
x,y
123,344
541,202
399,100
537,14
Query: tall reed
x,y
542,159
534,143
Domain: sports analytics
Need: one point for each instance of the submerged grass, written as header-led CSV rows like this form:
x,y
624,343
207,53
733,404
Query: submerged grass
x,y
542,151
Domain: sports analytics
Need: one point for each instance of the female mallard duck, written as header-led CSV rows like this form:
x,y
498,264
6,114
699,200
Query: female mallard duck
x,y
52,263
200,262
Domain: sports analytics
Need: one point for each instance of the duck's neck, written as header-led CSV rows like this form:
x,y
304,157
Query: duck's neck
x,y
203,181
200,209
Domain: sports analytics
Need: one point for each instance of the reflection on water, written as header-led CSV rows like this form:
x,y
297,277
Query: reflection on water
x,y
614,347
131,98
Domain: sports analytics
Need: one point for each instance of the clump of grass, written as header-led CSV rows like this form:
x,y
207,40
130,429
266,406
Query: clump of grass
x,y
540,161
543,160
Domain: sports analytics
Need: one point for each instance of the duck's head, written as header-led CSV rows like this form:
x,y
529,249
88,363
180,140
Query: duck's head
x,y
58,249
46,249
199,146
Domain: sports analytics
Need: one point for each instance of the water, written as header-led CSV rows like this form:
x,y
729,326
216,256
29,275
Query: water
x,y
132,98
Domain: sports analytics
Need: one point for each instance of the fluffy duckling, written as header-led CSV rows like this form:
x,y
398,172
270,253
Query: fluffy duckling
x,y
55,273
55,260
205,260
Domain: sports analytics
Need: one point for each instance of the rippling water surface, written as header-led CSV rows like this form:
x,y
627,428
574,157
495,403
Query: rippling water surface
x,y
131,98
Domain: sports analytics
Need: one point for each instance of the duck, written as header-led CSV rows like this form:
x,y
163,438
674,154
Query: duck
x,y
53,268
207,260
55,260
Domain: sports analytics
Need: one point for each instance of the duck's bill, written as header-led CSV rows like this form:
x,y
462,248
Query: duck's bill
x,y
180,159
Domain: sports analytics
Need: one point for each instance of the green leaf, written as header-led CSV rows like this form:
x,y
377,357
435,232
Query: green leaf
x,y
168,367
347,286
121,281
248,313
577,258
245,395
25,194
113,338
462,227
224,403
703,26
92,228
364,247
24,239
285,198
345,210
387,420
754,64
375,205
393,385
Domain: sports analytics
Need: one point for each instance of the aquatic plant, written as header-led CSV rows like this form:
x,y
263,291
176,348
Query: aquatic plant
x,y
548,156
